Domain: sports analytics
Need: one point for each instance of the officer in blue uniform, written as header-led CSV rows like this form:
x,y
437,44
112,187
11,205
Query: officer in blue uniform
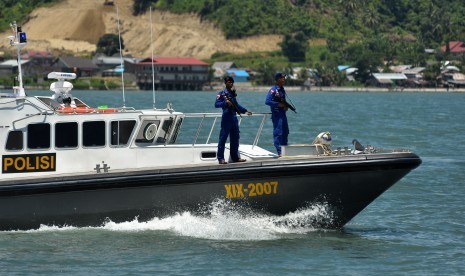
x,y
226,100
274,99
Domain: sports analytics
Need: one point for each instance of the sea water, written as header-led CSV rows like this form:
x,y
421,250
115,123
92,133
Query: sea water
x,y
416,228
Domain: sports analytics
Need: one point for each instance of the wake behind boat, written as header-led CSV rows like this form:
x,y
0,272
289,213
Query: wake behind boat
x,y
65,162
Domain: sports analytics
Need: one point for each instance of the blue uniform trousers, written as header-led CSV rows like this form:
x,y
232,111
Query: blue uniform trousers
x,y
280,130
229,127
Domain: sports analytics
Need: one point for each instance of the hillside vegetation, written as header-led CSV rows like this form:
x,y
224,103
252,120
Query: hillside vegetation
x,y
367,34
14,10
429,21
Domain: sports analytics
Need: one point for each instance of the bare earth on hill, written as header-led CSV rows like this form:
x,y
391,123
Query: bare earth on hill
x,y
76,26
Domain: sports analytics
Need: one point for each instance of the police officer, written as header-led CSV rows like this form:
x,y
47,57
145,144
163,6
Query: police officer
x,y
226,100
275,97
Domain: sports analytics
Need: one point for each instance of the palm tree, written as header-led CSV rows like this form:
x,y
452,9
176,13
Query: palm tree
x,y
349,6
371,18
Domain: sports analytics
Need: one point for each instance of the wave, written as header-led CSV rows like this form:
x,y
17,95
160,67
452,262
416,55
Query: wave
x,y
222,220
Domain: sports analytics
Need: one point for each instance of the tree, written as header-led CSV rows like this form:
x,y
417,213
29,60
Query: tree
x,y
267,71
371,18
350,6
295,46
141,6
366,58
336,42
109,44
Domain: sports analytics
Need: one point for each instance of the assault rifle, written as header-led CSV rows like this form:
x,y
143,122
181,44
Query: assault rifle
x,y
286,104
233,92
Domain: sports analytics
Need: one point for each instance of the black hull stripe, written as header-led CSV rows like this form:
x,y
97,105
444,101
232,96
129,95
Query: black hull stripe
x,y
225,173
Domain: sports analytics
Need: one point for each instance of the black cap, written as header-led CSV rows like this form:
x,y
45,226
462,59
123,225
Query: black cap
x,y
279,75
226,79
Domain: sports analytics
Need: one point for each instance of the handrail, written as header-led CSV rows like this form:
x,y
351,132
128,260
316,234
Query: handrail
x,y
42,111
193,115
198,131
259,132
203,116
211,130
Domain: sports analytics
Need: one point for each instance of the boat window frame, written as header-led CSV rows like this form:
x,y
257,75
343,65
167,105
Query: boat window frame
x,y
165,133
48,101
140,133
77,135
104,134
177,127
14,140
129,137
30,133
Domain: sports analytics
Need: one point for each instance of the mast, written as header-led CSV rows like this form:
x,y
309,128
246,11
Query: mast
x,y
19,40
153,70
121,58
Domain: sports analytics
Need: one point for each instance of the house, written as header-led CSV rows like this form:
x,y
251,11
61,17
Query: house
x,y
455,79
449,69
348,71
83,67
41,63
400,68
387,79
414,75
104,62
239,75
296,73
457,48
39,58
171,73
107,65
451,76
220,68
10,67
33,64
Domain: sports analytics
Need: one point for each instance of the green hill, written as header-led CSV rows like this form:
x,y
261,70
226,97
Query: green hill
x,y
429,21
14,10
367,34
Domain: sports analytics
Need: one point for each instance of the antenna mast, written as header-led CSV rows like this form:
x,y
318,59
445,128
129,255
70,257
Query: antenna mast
x,y
121,58
19,41
153,70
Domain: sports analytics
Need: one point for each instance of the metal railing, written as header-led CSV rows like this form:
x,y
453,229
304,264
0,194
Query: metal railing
x,y
215,117
42,111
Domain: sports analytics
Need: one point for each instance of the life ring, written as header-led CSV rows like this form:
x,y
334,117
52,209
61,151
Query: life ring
x,y
75,110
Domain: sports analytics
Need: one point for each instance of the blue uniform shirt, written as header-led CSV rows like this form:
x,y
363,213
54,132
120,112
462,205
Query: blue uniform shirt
x,y
275,91
221,103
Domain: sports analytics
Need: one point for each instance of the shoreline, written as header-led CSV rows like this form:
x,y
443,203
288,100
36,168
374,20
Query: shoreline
x,y
255,88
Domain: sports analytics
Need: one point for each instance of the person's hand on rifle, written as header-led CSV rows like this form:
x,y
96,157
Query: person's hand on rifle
x,y
283,106
228,102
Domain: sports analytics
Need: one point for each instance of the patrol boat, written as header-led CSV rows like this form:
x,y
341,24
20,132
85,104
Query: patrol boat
x,y
65,162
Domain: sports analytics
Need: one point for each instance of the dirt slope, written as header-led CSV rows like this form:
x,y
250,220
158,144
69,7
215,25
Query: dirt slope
x,y
77,25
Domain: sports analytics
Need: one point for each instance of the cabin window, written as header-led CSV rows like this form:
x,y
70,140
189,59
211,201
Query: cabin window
x,y
121,132
14,140
66,135
79,103
165,130
38,136
93,134
148,131
176,131
48,101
